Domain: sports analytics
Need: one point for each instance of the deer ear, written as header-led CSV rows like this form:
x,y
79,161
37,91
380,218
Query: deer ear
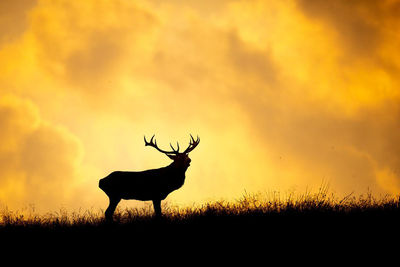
x,y
171,156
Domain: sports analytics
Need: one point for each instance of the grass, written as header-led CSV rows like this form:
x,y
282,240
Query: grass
x,y
256,210
256,226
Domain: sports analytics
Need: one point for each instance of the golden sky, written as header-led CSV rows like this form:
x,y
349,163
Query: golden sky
x,y
284,95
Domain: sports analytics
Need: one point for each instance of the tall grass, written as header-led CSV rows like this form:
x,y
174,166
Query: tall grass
x,y
248,206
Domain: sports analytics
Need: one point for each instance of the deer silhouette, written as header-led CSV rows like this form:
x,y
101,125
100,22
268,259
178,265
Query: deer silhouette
x,y
154,184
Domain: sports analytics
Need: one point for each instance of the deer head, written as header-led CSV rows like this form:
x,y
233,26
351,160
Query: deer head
x,y
181,159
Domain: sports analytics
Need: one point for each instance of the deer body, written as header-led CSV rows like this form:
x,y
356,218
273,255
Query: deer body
x,y
154,184
145,185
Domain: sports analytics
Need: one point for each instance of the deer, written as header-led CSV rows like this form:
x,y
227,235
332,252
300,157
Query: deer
x,y
149,185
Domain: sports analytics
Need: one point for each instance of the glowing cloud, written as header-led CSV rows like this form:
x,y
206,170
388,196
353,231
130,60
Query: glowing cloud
x,y
284,94
38,160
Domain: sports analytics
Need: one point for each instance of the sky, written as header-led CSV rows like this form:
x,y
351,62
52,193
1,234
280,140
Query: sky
x,y
285,96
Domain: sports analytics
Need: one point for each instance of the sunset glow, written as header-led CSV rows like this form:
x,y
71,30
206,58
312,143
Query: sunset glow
x,y
285,95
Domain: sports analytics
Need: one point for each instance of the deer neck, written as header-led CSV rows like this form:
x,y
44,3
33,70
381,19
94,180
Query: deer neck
x,y
178,169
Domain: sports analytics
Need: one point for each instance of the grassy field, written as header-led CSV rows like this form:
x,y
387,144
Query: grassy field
x,y
256,226
253,215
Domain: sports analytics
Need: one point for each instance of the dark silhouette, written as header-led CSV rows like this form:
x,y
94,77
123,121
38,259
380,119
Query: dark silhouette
x,y
155,184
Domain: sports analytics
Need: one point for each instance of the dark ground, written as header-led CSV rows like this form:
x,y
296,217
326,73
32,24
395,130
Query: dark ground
x,y
292,231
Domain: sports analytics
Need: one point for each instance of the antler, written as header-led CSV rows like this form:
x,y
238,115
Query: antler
x,y
154,144
192,144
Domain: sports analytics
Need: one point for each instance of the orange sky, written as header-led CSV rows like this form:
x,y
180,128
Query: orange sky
x,y
284,95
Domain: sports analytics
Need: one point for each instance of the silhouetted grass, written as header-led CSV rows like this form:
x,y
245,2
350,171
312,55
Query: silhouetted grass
x,y
251,210
256,226
270,219
287,223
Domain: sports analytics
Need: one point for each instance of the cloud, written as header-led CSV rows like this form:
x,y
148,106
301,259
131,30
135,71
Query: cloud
x,y
335,120
86,44
364,28
38,160
350,19
13,18
282,94
348,152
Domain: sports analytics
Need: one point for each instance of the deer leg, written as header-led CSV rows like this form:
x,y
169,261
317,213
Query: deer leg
x,y
111,208
157,207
